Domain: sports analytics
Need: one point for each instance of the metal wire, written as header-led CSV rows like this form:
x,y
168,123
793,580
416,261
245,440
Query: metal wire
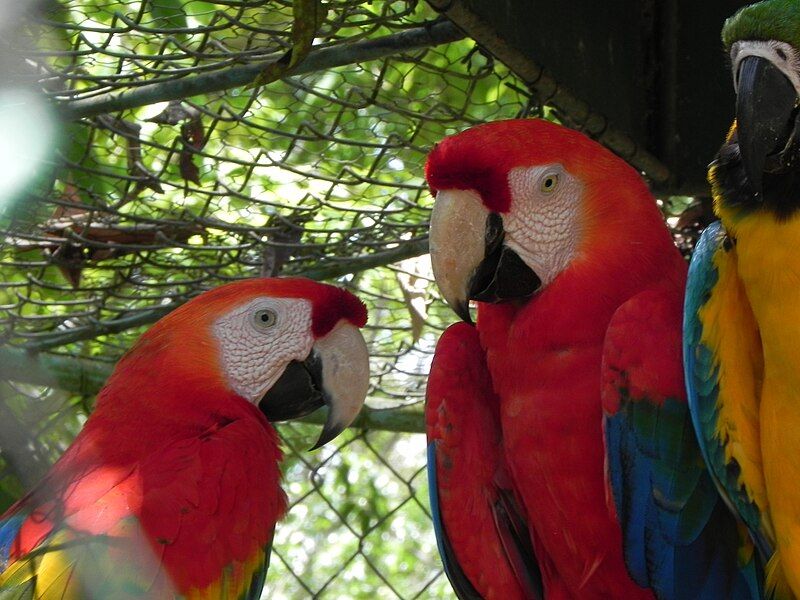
x,y
317,174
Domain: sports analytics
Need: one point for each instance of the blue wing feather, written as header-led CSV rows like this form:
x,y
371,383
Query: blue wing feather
x,y
461,584
680,540
702,383
9,527
699,370
679,537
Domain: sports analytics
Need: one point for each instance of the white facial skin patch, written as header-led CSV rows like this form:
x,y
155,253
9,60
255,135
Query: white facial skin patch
x,y
542,226
780,54
258,339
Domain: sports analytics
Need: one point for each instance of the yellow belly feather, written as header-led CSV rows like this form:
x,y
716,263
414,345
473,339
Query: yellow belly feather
x,y
769,267
730,331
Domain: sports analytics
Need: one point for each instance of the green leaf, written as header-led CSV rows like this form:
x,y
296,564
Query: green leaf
x,y
8,496
168,14
200,11
308,16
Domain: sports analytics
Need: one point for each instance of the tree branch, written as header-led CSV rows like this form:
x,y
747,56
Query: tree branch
x,y
86,377
332,270
76,375
19,449
432,34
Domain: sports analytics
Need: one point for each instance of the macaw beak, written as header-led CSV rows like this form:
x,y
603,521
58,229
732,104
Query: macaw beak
x,y
335,374
765,117
468,256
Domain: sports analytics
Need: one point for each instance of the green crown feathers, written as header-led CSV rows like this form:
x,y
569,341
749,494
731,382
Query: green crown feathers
x,y
768,20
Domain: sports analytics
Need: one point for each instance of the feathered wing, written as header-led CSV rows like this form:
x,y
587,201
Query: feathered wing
x,y
679,538
723,366
482,535
194,519
462,586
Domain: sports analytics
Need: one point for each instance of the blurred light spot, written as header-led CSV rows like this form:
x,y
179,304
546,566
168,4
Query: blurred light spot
x,y
396,164
29,131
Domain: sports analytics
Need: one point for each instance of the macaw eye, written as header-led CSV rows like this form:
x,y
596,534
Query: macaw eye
x,y
549,183
265,318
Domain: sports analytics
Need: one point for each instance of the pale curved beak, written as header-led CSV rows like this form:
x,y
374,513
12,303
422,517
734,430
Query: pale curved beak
x,y
457,245
345,378
469,257
335,373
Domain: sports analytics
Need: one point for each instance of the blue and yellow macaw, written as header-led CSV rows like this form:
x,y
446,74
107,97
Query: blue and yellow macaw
x,y
742,318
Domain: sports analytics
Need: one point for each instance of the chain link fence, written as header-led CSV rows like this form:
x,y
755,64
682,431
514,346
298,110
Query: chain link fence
x,y
169,146
144,205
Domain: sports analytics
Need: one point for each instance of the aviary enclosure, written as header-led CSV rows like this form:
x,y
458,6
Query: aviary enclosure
x,y
163,147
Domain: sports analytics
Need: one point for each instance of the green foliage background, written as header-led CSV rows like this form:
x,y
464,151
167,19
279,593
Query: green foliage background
x,y
128,215
131,212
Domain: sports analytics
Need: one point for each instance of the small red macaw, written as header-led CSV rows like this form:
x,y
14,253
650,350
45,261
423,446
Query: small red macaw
x,y
575,367
172,488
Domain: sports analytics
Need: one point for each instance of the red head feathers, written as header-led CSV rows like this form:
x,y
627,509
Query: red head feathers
x,y
481,157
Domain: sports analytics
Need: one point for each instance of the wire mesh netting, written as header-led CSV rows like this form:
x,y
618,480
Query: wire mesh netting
x,y
156,165
319,174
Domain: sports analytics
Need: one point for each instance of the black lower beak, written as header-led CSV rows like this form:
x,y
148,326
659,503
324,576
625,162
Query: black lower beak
x,y
462,310
297,393
765,114
502,275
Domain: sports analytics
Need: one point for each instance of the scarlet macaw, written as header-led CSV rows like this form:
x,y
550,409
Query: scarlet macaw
x,y
742,314
578,356
172,488
472,494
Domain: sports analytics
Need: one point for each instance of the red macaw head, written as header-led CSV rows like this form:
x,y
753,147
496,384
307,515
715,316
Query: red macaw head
x,y
518,202
286,345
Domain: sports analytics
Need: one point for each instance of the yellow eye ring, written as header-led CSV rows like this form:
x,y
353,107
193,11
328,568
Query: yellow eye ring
x,y
549,183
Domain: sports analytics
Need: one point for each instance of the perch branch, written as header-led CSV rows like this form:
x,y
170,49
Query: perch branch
x,y
86,377
48,340
432,34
